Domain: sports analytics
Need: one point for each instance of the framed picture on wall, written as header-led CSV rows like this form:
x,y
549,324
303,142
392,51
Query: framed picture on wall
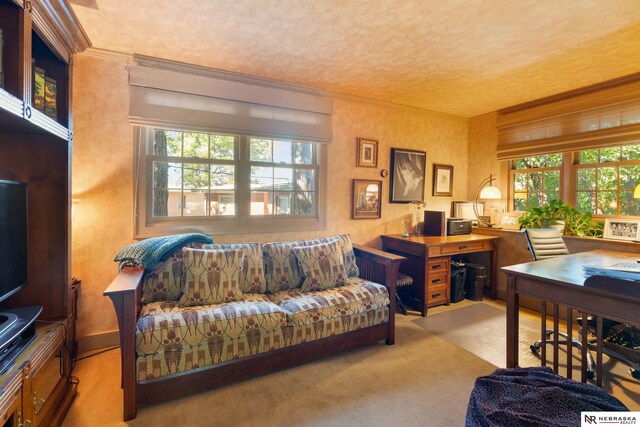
x,y
366,196
442,180
407,175
367,153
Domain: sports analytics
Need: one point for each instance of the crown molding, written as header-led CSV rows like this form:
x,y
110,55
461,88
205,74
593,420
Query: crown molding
x,y
111,55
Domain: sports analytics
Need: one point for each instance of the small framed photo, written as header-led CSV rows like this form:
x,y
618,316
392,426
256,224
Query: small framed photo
x,y
367,153
442,180
621,229
407,175
366,197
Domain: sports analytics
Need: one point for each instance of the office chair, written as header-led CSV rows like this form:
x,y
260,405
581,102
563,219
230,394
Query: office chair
x,y
546,243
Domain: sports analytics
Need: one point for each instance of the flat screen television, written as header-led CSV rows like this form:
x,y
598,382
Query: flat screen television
x,y
14,236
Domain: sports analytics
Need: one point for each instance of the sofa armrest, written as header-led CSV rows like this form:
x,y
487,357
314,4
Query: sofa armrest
x,y
381,267
125,292
378,266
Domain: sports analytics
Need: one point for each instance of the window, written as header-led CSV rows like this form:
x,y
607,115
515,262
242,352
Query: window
x,y
226,183
282,178
605,180
535,180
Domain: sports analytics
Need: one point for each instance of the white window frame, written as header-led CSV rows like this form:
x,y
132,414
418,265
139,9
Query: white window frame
x,y
146,225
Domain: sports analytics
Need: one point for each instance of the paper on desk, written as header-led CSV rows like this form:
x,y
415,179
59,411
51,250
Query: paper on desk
x,y
622,270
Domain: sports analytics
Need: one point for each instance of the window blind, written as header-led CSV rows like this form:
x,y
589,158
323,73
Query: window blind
x,y
177,96
595,116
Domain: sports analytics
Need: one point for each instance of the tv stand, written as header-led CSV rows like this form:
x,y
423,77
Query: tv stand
x,y
17,332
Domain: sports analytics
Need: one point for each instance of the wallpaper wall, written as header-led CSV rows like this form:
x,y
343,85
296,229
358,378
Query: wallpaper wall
x,y
103,176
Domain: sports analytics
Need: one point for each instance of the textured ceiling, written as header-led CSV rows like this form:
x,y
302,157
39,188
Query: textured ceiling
x,y
461,57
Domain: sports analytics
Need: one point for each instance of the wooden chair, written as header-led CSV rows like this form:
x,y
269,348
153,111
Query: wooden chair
x,y
403,280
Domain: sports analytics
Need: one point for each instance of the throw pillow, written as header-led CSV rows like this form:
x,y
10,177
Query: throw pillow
x,y
322,266
252,276
211,277
347,247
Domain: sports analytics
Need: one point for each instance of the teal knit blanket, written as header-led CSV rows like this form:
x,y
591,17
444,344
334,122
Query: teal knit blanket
x,y
149,252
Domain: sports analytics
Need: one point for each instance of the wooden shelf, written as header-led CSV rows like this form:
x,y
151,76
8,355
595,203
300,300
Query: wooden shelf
x,y
43,34
35,149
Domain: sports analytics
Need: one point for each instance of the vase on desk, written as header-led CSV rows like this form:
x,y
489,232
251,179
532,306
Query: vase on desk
x,y
418,217
407,227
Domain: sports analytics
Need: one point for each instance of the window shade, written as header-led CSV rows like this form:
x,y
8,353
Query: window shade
x,y
206,100
595,116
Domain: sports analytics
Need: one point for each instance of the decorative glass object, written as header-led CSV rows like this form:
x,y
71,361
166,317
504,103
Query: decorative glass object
x,y
407,227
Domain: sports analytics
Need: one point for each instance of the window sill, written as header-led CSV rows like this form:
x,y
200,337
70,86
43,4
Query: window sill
x,y
231,226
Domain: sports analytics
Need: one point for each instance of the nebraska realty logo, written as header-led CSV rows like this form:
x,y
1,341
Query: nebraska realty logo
x,y
609,418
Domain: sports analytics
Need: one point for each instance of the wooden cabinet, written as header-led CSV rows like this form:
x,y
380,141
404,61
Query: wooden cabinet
x,y
437,281
35,148
36,390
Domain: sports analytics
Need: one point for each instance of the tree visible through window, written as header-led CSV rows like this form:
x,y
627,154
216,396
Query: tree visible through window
x,y
195,174
536,180
606,178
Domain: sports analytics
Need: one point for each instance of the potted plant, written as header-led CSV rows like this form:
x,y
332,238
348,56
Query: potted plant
x,y
558,213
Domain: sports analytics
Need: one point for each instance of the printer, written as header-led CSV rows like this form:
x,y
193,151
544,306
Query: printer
x,y
457,226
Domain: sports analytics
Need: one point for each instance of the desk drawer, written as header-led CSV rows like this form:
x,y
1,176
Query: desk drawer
x,y
438,265
438,279
438,295
460,248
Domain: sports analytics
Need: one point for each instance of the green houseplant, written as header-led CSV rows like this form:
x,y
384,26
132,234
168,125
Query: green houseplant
x,y
557,212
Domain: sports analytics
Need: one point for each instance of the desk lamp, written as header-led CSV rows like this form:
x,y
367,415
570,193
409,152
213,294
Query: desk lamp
x,y
488,191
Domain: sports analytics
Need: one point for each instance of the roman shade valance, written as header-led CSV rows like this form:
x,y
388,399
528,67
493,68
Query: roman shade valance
x,y
596,116
176,96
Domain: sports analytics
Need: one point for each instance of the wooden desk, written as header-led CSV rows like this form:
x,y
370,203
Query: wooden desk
x,y
428,262
562,282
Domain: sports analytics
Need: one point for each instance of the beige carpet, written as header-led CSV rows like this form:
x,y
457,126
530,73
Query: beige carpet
x,y
480,328
421,380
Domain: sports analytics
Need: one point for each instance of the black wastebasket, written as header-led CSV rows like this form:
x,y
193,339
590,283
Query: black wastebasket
x,y
458,274
475,281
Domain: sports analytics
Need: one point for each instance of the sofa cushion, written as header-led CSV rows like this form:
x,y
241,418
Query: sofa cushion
x,y
356,297
211,277
164,282
321,265
179,355
252,275
167,326
281,270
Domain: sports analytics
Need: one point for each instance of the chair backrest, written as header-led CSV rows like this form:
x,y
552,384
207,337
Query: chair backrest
x,y
545,243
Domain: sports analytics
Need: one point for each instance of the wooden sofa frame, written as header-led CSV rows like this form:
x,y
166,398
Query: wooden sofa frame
x,y
126,290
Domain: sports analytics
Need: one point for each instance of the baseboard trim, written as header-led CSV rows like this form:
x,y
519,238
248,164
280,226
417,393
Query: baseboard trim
x,y
98,341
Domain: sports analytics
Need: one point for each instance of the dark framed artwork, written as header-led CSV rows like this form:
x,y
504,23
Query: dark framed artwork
x,y
366,197
407,175
367,153
442,180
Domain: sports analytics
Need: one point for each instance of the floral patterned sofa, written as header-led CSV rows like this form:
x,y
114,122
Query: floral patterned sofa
x,y
212,314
